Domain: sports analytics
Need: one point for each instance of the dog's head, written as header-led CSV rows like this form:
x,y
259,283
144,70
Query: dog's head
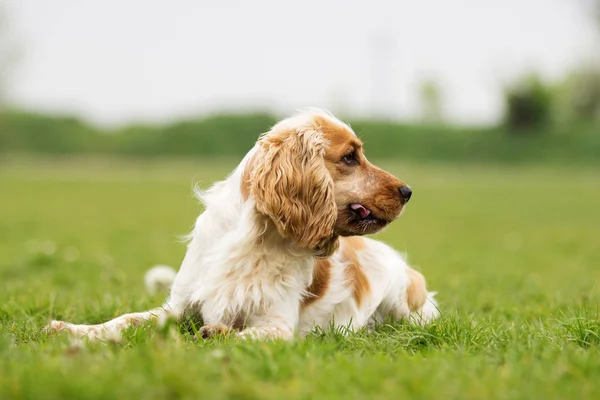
x,y
309,175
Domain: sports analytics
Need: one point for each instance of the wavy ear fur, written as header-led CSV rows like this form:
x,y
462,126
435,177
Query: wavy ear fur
x,y
292,186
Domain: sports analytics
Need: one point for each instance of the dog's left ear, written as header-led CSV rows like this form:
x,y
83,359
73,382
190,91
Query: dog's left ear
x,y
292,186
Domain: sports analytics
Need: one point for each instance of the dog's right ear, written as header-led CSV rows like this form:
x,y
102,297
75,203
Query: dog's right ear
x,y
291,185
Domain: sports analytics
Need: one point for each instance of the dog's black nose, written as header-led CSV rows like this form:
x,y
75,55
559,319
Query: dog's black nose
x,y
406,192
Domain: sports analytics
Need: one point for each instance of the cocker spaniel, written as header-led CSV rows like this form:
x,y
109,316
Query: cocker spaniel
x,y
279,250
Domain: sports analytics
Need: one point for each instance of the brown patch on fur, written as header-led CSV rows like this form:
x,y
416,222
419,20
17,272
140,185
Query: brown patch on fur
x,y
416,294
341,139
354,273
320,281
132,320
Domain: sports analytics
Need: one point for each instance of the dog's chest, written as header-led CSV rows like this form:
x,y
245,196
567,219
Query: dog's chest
x,y
252,285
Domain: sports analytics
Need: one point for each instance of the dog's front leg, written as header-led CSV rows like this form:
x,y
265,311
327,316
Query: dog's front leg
x,y
278,323
111,329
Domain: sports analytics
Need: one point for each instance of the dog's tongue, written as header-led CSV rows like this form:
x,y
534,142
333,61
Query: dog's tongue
x,y
364,212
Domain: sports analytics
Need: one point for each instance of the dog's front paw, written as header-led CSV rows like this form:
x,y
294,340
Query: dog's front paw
x,y
211,330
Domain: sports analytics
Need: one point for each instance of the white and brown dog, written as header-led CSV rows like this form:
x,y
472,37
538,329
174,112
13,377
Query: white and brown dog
x,y
279,248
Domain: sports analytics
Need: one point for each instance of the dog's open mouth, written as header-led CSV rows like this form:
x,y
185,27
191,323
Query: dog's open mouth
x,y
361,211
358,219
363,214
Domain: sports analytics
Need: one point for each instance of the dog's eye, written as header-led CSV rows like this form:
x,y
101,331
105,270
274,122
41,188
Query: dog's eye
x,y
350,159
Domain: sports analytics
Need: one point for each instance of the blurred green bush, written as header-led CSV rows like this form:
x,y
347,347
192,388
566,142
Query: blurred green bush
x,y
233,135
528,104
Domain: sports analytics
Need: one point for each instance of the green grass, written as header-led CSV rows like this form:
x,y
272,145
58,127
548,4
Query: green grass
x,y
514,253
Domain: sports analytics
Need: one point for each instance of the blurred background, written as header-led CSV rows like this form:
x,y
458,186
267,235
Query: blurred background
x,y
468,80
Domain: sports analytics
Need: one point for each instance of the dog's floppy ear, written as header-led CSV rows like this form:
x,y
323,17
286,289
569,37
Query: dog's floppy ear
x,y
293,188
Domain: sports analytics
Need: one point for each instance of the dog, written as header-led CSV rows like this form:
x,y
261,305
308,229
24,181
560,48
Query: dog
x,y
279,249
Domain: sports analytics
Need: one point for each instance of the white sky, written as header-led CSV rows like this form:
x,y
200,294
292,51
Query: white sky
x,y
118,61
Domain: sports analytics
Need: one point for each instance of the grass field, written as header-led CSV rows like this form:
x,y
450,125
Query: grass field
x,y
514,253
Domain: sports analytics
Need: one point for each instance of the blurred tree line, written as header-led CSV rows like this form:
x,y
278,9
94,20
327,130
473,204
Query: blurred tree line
x,y
233,135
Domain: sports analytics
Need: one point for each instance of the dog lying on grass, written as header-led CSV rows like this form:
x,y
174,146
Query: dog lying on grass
x,y
279,249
